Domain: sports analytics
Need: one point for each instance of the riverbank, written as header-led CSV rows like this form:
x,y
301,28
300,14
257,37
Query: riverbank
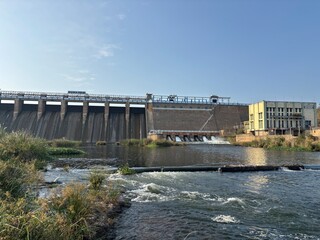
x,y
301,143
72,211
150,143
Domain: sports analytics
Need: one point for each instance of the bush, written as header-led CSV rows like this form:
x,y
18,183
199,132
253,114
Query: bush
x,y
99,143
17,178
96,179
74,213
21,146
126,170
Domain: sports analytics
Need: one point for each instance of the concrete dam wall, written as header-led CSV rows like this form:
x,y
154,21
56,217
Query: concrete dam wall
x,y
195,117
74,125
92,118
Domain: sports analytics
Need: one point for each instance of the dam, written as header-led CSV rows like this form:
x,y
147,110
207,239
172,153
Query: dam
x,y
76,115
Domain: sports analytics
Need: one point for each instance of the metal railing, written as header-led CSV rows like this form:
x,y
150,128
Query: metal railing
x,y
12,95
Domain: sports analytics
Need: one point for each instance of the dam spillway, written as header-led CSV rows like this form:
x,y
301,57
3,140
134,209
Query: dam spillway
x,y
91,118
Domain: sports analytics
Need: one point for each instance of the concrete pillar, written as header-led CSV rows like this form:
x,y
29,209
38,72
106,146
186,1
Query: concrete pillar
x,y
106,118
127,120
149,117
63,109
17,108
41,108
85,111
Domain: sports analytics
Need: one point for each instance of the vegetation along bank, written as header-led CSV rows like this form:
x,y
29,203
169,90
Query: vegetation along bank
x,y
74,211
301,143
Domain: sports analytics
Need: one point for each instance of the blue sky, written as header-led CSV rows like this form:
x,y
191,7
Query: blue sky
x,y
248,50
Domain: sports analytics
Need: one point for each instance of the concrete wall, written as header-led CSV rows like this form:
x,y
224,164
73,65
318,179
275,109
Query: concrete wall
x,y
242,138
198,117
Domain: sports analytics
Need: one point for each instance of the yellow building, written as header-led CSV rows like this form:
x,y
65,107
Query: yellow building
x,y
275,117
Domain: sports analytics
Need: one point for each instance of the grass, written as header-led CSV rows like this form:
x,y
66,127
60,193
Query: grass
x,y
64,143
164,143
74,211
149,143
134,142
62,151
301,143
126,170
18,179
96,179
68,214
21,146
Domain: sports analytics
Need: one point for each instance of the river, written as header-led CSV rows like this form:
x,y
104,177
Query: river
x,y
209,205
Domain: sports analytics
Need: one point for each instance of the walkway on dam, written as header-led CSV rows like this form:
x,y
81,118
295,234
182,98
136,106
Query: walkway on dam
x,y
81,96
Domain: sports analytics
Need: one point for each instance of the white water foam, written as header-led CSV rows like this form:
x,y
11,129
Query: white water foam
x,y
225,219
196,195
285,169
216,140
234,199
151,193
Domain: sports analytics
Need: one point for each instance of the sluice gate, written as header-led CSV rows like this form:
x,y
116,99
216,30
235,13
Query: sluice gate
x,y
184,136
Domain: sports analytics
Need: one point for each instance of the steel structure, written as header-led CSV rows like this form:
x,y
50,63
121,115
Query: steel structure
x,y
190,100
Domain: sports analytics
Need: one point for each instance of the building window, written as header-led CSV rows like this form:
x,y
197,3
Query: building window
x,y
260,124
251,117
268,123
260,115
298,110
307,124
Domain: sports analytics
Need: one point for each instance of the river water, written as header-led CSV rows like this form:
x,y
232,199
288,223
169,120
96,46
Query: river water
x,y
209,205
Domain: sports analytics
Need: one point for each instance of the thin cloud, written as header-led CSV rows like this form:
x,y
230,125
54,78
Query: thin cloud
x,y
80,78
121,16
106,51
